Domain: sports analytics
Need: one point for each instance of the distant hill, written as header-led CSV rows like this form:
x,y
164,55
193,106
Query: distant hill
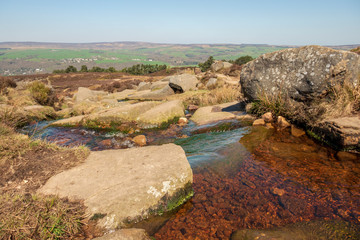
x,y
18,58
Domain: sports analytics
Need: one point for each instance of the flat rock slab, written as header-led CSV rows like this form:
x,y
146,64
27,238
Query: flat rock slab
x,y
126,234
126,184
162,113
209,114
343,133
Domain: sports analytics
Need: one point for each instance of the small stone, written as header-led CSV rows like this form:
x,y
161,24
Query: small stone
x,y
296,132
259,122
193,107
269,126
268,117
183,121
188,115
106,142
277,191
140,140
282,123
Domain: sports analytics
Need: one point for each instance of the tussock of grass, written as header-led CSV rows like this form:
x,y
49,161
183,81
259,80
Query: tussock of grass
x,y
36,217
277,105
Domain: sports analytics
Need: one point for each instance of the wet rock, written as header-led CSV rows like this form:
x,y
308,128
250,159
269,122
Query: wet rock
x,y
267,117
259,122
126,234
72,121
342,132
209,114
193,107
140,140
143,86
303,230
182,83
282,123
277,191
183,121
297,132
106,142
126,184
269,125
346,156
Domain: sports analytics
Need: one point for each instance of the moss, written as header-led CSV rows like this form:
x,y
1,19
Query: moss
x,y
97,216
180,197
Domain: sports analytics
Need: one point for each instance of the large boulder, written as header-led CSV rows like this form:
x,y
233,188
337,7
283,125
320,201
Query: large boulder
x,y
184,82
159,94
220,65
303,73
127,185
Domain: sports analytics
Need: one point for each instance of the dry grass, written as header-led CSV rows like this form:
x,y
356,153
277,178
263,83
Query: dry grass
x,y
25,165
34,217
215,96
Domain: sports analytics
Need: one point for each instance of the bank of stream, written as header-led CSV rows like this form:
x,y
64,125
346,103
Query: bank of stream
x,y
245,178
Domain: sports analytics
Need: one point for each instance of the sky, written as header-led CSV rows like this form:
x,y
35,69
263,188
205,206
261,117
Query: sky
x,y
280,22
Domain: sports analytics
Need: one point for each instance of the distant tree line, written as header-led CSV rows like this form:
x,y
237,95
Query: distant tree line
x,y
84,68
239,61
139,69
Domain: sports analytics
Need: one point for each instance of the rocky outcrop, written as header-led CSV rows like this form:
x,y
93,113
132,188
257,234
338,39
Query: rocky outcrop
x,y
302,73
184,82
128,184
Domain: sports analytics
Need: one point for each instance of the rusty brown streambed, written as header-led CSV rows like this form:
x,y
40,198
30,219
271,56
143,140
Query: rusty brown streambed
x,y
267,179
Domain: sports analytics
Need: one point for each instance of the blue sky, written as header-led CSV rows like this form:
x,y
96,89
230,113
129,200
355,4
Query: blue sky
x,y
187,21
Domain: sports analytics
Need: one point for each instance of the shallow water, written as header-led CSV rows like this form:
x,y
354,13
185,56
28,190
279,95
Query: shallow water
x,y
244,178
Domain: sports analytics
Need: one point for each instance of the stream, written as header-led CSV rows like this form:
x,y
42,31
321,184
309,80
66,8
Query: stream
x,y
245,178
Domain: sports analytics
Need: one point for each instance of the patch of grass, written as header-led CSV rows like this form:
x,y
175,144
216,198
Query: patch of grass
x,y
41,93
220,95
36,217
277,105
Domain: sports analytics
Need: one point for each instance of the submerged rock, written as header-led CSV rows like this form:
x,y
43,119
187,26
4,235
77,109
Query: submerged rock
x,y
127,185
303,230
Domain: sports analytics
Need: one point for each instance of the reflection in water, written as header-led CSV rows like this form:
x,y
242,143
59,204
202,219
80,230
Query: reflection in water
x,y
280,180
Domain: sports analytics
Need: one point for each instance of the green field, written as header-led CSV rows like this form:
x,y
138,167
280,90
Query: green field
x,y
29,60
